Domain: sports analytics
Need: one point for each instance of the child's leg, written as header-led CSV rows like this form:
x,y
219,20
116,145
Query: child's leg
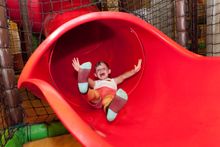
x,y
94,98
117,104
83,76
106,101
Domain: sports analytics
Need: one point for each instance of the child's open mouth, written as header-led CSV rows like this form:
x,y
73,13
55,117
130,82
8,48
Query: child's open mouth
x,y
102,74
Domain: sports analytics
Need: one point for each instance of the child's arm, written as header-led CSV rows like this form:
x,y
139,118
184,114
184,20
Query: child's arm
x,y
76,66
129,74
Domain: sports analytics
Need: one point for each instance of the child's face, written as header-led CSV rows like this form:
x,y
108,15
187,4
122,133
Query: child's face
x,y
102,71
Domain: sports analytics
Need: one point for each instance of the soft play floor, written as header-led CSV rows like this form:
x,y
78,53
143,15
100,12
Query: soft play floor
x,y
59,141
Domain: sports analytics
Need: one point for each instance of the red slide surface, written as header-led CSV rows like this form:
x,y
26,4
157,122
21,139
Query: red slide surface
x,y
173,101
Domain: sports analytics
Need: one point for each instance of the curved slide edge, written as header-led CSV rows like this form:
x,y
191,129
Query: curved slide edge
x,y
80,129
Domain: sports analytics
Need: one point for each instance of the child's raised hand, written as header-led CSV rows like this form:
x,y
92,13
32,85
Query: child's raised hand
x,y
76,64
138,66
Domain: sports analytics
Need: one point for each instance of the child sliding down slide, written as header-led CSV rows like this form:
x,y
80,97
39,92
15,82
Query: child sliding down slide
x,y
103,93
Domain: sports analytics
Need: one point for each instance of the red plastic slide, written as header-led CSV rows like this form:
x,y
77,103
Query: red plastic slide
x,y
174,101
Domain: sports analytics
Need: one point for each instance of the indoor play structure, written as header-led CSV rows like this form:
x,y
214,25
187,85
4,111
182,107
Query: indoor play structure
x,y
30,133
169,104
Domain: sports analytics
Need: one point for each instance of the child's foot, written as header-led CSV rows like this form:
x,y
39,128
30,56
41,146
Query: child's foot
x,y
117,104
83,76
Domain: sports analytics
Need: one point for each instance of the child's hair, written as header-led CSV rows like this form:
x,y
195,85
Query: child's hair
x,y
101,62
